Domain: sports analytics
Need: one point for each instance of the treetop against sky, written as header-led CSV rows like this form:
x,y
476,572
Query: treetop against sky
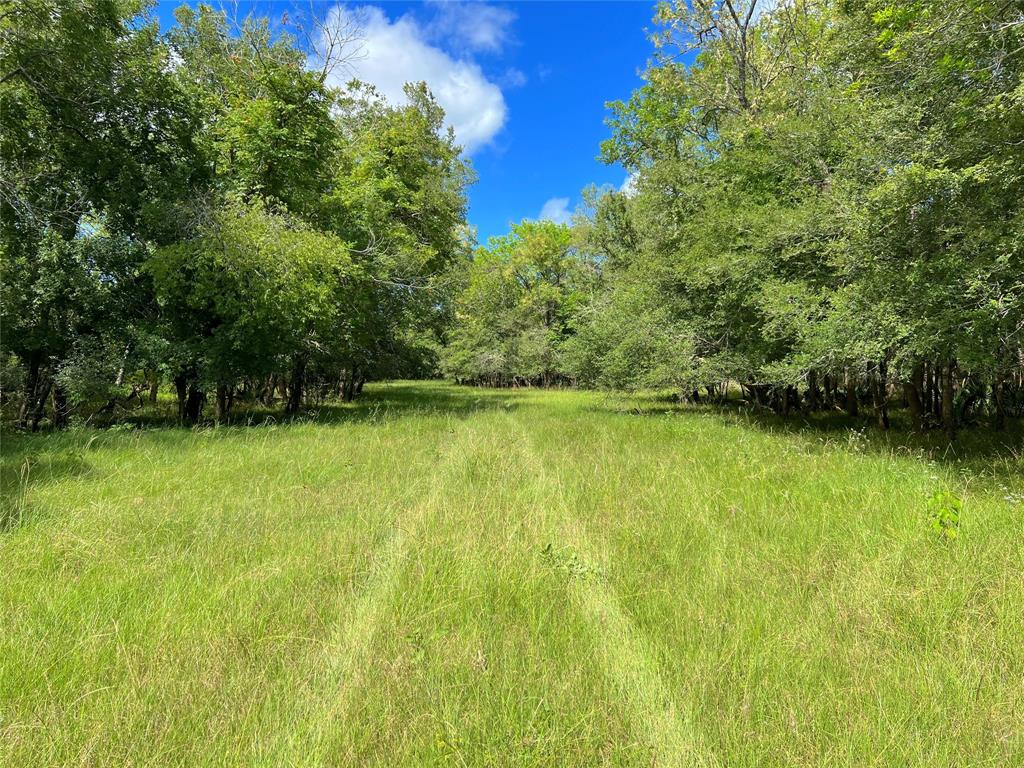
x,y
523,84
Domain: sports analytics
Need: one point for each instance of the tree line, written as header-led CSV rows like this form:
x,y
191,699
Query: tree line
x,y
199,208
825,210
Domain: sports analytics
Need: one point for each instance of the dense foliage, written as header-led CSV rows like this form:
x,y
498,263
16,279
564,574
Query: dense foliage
x,y
826,209
200,207
511,320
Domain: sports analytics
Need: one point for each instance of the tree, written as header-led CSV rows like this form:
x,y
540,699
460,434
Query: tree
x,y
811,209
399,196
93,137
253,291
512,317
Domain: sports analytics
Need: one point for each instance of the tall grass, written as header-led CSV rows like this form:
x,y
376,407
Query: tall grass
x,y
444,576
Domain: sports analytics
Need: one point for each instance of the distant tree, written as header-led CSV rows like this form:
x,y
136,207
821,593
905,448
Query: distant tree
x,y
512,318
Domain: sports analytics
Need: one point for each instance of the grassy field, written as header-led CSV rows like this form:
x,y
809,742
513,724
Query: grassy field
x,y
446,576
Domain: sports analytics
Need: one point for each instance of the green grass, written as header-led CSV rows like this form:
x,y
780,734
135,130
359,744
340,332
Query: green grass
x,y
445,576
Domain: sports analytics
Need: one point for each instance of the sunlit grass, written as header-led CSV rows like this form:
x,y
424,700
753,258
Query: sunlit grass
x,y
443,575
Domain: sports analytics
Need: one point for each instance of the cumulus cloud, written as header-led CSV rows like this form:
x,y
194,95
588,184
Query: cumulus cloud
x,y
472,26
393,53
557,210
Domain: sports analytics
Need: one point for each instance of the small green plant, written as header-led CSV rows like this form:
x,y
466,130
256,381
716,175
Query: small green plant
x,y
449,745
944,510
567,560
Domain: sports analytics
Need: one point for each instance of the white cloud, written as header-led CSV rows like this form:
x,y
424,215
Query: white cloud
x,y
473,26
513,78
628,187
557,210
393,53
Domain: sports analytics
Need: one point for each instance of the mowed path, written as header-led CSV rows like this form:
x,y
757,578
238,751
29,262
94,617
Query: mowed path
x,y
445,576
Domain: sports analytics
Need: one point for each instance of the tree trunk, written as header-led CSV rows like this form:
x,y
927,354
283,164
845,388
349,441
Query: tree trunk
x,y
298,381
194,404
929,388
882,393
267,395
190,396
39,406
223,402
788,396
948,413
999,402
813,395
119,381
154,388
851,395
31,385
60,407
349,391
181,389
912,390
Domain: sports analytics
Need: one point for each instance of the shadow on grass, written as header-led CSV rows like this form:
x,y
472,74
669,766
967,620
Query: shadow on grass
x,y
30,460
977,449
388,402
47,456
21,468
380,402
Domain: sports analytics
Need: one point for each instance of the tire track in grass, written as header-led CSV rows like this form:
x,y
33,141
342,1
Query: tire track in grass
x,y
351,644
629,664
626,659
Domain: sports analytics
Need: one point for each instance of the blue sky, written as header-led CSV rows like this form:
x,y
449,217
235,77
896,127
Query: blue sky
x,y
525,86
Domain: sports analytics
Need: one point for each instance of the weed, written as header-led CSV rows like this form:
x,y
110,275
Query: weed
x,y
944,511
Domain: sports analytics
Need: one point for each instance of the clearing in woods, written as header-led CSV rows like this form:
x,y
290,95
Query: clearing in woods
x,y
442,575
